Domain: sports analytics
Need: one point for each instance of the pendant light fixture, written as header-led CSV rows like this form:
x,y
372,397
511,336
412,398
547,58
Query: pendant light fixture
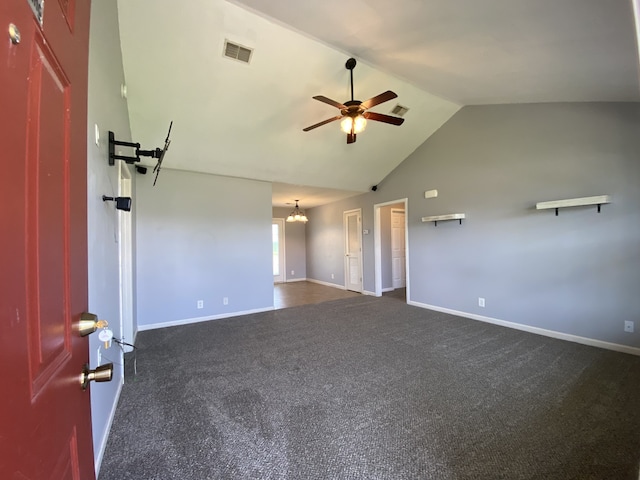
x,y
297,215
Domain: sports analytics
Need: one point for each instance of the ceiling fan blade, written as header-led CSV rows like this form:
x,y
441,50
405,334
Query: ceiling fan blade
x,y
323,99
322,123
351,138
378,99
379,117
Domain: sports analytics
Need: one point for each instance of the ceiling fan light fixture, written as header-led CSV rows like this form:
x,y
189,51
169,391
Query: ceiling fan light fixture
x,y
358,123
345,124
354,113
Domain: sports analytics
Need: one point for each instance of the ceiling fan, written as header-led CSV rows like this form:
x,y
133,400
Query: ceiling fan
x,y
354,113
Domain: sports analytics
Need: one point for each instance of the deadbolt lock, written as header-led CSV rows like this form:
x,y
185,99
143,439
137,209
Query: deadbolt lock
x,y
89,323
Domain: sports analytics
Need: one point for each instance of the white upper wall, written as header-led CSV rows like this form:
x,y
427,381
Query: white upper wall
x,y
246,121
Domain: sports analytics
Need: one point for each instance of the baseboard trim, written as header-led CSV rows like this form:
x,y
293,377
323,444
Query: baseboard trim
x,y
295,280
388,290
186,321
107,430
539,331
367,292
327,284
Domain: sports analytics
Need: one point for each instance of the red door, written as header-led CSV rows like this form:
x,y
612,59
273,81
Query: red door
x,y
45,429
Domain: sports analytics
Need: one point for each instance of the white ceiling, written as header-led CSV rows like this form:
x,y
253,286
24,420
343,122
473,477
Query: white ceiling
x,y
437,55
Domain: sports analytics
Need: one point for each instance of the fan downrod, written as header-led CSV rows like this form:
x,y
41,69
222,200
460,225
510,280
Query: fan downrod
x,y
350,65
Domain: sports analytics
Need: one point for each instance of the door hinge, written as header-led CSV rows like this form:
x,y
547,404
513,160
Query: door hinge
x,y
37,6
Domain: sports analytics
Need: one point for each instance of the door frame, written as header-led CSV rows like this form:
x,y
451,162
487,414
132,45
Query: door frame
x,y
345,214
125,244
377,244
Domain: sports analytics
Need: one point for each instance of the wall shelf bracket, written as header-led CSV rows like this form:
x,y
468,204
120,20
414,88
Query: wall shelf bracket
x,y
574,202
441,218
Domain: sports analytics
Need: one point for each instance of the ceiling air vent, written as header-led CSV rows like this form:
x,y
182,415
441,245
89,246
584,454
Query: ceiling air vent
x,y
399,110
237,52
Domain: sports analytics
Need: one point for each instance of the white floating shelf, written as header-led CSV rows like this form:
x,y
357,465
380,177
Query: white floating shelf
x,y
441,218
574,202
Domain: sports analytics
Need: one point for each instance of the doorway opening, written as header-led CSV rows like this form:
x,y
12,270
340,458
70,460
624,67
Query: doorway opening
x,y
277,235
391,247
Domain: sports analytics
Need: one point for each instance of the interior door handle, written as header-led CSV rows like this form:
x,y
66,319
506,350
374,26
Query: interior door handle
x,y
14,34
102,373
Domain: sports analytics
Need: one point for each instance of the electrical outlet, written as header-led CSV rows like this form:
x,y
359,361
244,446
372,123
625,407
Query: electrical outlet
x,y
200,304
629,326
481,302
293,272
332,276
225,300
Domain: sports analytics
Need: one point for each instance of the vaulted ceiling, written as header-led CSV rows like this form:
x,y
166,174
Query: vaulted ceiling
x,y
246,120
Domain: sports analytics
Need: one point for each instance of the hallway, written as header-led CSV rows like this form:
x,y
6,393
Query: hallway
x,y
294,294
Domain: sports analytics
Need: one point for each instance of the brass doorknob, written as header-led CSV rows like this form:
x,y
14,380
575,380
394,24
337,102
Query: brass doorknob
x,y
102,373
89,323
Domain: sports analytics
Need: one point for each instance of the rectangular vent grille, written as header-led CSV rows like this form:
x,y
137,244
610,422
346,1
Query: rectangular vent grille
x,y
237,52
399,110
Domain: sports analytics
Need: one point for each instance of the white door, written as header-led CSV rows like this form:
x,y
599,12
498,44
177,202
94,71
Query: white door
x,y
126,261
398,249
277,233
353,250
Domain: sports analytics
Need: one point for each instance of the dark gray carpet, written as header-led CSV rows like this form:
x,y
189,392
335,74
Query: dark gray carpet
x,y
397,293
371,388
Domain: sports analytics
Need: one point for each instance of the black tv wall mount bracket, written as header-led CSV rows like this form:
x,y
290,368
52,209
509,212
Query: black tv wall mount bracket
x,y
156,153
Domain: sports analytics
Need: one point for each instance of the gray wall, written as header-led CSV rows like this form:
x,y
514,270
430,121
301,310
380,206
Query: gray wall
x,y
202,237
577,273
108,110
325,241
295,246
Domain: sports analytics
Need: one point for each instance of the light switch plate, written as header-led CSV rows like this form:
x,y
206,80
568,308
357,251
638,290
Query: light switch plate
x,y
431,194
